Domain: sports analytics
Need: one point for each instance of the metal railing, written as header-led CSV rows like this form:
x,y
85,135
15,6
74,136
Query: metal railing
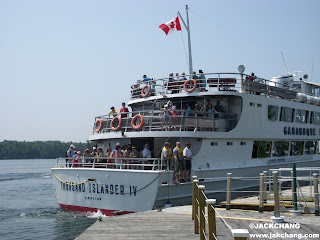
x,y
115,163
212,82
167,120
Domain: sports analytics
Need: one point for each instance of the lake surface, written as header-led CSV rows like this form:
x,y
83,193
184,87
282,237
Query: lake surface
x,y
28,207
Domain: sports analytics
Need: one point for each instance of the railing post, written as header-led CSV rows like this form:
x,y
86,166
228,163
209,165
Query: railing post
x,y
196,208
194,189
229,176
261,191
316,193
265,186
212,227
201,211
240,234
276,218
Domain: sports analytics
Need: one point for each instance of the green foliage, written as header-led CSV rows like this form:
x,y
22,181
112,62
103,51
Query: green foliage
x,y
38,149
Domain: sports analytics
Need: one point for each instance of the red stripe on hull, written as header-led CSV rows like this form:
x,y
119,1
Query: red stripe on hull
x,y
106,212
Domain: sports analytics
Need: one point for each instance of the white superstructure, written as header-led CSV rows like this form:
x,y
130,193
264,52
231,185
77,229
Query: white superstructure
x,y
256,125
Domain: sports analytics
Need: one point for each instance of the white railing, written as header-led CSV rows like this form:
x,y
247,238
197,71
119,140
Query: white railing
x,y
115,163
166,120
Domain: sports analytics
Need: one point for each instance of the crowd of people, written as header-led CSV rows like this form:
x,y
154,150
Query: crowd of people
x,y
128,157
175,83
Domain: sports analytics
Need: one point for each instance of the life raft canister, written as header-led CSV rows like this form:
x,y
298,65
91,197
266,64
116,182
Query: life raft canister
x,y
187,83
145,93
117,127
98,125
134,120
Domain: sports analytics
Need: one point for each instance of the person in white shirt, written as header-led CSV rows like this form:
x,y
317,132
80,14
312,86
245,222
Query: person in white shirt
x,y
187,154
146,153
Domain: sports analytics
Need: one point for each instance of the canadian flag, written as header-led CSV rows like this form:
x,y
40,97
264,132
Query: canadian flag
x,y
171,26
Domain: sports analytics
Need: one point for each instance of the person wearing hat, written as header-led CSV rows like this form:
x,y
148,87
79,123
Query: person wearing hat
x,y
70,153
202,80
145,78
113,111
94,152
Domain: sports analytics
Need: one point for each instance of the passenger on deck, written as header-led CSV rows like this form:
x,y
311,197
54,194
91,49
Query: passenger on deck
x,y
145,78
188,110
166,115
124,109
94,152
210,111
77,159
187,154
126,154
174,115
251,78
100,156
166,156
178,162
146,153
136,91
194,76
134,154
202,80
175,84
70,153
113,111
118,155
86,158
109,155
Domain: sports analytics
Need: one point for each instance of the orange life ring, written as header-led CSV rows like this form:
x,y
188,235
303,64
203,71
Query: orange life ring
x,y
186,83
133,122
116,128
143,93
98,125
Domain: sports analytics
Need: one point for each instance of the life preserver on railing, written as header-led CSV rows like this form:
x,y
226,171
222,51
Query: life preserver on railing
x,y
187,83
117,127
143,91
134,119
98,125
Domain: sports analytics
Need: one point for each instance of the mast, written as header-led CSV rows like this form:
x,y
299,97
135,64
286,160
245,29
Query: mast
x,y
189,39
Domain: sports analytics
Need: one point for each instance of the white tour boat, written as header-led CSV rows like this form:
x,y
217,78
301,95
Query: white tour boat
x,y
257,124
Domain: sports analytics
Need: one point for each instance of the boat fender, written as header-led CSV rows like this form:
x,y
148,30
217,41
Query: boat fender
x,y
187,83
134,119
98,125
117,127
145,93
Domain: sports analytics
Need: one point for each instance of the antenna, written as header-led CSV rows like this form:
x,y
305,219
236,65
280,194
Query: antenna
x,y
284,62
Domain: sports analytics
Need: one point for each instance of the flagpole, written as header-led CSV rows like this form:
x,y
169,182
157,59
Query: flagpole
x,y
189,39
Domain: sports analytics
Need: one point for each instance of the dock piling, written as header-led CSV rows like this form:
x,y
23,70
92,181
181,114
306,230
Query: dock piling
x,y
316,193
229,178
201,211
265,186
196,207
276,218
261,193
212,226
194,188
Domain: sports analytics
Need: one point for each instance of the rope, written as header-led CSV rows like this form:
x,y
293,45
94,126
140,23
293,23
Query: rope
x,y
184,46
222,218
94,180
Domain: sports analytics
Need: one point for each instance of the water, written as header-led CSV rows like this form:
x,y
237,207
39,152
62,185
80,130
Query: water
x,y
28,207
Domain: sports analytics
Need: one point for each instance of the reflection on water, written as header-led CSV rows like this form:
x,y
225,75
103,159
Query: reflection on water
x,y
28,208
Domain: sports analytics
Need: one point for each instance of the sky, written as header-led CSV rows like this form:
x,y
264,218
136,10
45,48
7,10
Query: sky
x,y
64,62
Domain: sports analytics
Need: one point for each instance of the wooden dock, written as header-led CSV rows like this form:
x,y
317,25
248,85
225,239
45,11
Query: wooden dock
x,y
176,223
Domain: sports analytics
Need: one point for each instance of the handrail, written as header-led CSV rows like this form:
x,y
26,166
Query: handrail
x,y
150,164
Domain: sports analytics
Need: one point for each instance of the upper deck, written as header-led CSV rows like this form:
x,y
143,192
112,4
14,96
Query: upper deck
x,y
149,98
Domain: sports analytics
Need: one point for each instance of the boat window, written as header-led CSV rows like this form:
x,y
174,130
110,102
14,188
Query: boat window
x,y
318,147
296,148
273,112
242,143
252,104
286,114
302,116
214,143
229,143
310,147
259,105
261,149
315,118
280,149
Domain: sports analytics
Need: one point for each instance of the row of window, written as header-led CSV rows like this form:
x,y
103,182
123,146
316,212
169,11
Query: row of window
x,y
263,149
288,114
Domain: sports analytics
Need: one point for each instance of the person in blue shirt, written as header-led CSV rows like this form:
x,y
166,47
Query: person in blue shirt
x,y
203,81
145,78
